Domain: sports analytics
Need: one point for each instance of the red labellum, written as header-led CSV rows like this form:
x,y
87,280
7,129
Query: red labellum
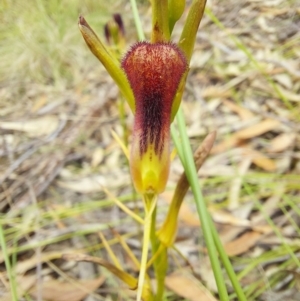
x,y
154,72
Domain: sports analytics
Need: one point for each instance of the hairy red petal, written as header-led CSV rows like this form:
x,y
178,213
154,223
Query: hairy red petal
x,y
154,72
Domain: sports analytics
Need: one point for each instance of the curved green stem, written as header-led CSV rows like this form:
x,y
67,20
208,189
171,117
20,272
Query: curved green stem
x,y
227,264
150,201
160,21
161,271
137,20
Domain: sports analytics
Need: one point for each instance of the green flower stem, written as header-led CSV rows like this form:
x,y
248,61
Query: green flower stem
x,y
190,169
154,240
159,260
137,20
161,271
227,264
160,263
160,21
150,201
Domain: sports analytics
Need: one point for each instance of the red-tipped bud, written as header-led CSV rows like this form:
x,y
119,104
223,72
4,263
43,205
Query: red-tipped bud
x,y
114,30
154,72
119,21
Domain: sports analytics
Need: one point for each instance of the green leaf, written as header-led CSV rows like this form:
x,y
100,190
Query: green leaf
x,y
189,32
108,60
176,9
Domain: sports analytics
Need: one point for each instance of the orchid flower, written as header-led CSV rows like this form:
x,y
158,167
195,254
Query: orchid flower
x,y
154,72
151,76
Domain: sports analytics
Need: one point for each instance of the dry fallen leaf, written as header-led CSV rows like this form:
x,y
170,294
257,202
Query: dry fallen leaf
x,y
25,265
122,275
258,129
94,183
215,91
227,218
39,103
35,127
260,159
85,185
290,294
97,156
226,144
290,95
242,244
236,184
285,80
188,287
282,142
6,297
55,290
244,134
24,283
242,112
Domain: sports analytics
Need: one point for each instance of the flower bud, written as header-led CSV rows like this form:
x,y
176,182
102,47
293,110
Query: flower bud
x,y
107,58
114,30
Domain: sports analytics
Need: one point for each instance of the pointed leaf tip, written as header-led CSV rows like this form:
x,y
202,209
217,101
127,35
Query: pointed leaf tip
x,y
82,22
106,57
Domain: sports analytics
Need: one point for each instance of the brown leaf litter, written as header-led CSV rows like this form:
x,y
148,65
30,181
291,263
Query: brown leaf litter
x,y
57,153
